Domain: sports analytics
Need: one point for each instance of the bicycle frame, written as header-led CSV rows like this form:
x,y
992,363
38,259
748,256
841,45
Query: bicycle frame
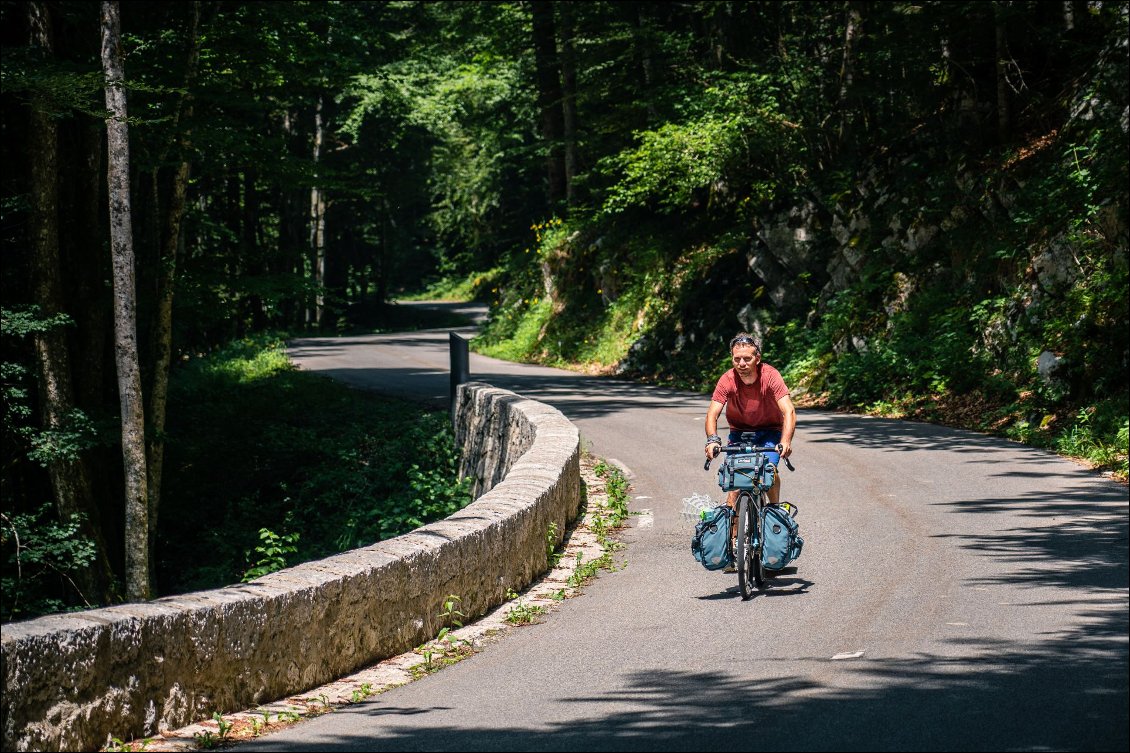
x,y
749,506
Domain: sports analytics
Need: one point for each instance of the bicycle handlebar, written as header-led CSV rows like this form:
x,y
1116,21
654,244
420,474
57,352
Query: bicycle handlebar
x,y
746,449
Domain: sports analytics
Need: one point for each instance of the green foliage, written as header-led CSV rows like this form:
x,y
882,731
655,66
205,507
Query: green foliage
x,y
673,162
53,87
518,332
741,127
288,451
475,286
245,361
723,155
44,557
522,613
75,432
208,739
41,557
271,554
1099,434
928,349
585,571
21,321
551,544
451,613
472,105
360,694
449,649
616,486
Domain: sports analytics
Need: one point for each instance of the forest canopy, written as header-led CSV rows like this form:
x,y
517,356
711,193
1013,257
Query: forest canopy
x,y
919,207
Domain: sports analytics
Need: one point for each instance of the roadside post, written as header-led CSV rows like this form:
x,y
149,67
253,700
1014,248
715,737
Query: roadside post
x,y
460,366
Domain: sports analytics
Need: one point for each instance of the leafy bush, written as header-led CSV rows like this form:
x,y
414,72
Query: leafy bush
x,y
723,147
41,557
321,467
272,553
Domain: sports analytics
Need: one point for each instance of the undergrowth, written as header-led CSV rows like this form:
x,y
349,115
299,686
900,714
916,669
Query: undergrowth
x,y
268,466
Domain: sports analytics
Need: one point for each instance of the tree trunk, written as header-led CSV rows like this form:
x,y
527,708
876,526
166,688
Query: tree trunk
x,y
162,331
641,44
384,252
1004,116
93,269
293,217
162,336
318,221
569,101
549,97
852,21
125,310
70,481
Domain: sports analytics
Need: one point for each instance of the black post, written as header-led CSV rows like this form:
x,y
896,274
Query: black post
x,y
460,366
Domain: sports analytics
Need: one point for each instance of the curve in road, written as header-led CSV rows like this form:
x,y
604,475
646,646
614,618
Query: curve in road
x,y
956,592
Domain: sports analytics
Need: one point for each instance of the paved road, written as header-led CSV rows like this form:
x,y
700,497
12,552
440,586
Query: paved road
x,y
956,592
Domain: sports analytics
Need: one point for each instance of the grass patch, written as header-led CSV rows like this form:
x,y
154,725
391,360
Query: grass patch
x,y
476,286
525,330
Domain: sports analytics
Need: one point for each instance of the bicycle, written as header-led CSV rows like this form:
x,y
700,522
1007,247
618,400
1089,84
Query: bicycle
x,y
751,476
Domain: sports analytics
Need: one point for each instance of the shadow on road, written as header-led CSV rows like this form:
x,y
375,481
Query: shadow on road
x,y
926,702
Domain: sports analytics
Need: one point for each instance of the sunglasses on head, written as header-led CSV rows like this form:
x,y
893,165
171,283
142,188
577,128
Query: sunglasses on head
x,y
743,340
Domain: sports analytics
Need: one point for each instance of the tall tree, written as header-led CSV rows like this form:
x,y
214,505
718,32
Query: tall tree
x,y
852,20
125,310
569,98
1000,48
162,329
549,97
318,217
69,476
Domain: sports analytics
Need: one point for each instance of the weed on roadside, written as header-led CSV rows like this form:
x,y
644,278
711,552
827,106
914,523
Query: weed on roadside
x,y
522,613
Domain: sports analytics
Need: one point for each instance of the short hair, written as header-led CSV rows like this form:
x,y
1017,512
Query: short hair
x,y
745,338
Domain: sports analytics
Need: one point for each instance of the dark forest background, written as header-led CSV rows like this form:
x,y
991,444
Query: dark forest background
x,y
919,207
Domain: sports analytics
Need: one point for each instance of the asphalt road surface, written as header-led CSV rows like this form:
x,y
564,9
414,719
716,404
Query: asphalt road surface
x,y
956,592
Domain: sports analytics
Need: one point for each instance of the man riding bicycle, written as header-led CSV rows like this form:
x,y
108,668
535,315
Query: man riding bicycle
x,y
757,402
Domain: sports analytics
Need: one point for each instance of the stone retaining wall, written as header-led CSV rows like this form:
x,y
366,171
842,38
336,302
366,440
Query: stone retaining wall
x,y
72,681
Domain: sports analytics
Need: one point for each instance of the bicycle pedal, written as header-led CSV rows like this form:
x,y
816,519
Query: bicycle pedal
x,y
790,508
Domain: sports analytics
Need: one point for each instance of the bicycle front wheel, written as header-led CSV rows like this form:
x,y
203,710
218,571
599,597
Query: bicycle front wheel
x,y
748,570
757,519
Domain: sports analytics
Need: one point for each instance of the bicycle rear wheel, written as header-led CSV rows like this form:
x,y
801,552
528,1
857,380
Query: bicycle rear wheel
x,y
747,569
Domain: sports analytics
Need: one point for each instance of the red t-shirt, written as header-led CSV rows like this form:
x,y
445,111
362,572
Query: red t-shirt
x,y
752,406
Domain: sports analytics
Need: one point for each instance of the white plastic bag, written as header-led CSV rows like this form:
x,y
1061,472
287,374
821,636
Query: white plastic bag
x,y
695,505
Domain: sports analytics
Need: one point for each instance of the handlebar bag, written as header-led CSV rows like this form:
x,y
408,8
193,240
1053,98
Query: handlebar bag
x,y
711,544
781,541
741,471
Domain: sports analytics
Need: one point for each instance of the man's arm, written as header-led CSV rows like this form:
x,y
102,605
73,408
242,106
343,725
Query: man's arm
x,y
788,426
712,415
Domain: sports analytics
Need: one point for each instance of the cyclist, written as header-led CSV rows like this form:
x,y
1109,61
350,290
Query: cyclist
x,y
756,400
